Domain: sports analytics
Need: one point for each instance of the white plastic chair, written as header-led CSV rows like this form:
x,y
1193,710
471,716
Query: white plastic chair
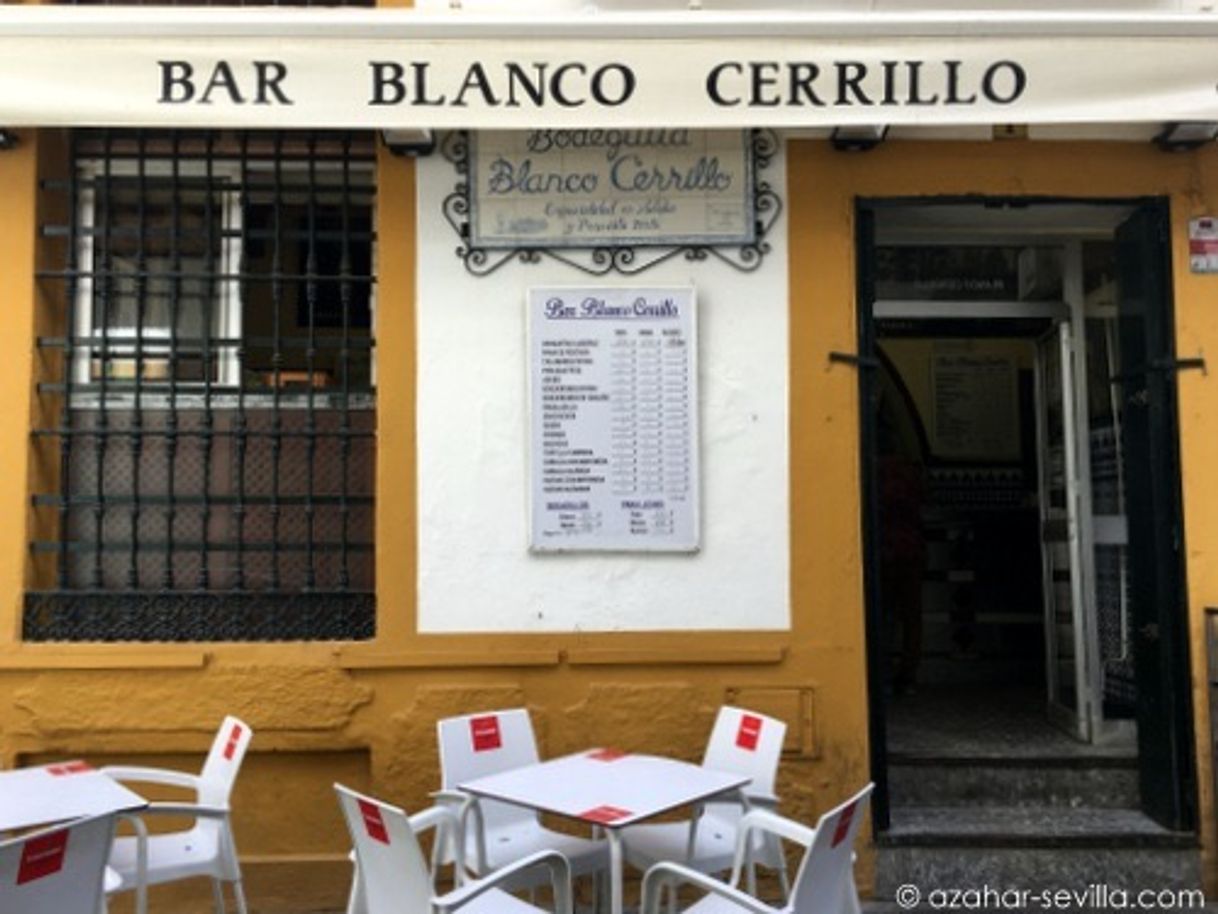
x,y
823,885
205,849
56,870
394,877
742,742
477,745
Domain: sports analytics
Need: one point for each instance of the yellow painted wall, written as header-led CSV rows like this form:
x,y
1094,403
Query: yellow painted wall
x,y
18,252
365,713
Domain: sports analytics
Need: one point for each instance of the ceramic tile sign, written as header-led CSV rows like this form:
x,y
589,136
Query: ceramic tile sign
x,y
592,188
613,419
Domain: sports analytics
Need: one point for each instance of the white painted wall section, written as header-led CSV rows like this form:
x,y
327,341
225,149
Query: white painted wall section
x,y
476,573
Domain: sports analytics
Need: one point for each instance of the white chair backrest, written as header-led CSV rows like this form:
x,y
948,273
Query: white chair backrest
x,y
391,864
223,762
748,743
477,745
57,870
824,876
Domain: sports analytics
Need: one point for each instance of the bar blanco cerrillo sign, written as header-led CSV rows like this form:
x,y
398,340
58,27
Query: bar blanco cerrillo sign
x,y
383,68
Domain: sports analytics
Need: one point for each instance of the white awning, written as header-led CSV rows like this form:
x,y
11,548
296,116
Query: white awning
x,y
277,67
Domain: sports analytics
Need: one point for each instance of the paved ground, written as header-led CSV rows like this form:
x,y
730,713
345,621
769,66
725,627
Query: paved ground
x,y
987,721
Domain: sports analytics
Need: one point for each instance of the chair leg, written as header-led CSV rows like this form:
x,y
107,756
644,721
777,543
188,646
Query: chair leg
x,y
217,896
598,888
239,895
783,879
851,904
234,867
356,903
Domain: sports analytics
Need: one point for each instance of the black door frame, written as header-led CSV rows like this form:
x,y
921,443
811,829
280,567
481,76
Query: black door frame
x,y
876,649
1155,511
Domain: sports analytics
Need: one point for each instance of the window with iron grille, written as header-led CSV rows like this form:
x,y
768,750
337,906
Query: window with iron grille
x,y
210,403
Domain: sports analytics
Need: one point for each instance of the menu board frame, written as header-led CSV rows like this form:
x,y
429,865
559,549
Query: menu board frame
x,y
614,506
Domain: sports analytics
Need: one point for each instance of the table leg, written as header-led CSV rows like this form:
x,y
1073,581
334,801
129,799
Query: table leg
x,y
750,866
692,844
471,807
615,871
141,862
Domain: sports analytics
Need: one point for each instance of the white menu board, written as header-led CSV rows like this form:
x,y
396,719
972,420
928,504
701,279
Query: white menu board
x,y
613,397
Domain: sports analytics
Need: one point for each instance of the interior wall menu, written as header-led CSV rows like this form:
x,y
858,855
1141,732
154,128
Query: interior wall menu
x,y
613,397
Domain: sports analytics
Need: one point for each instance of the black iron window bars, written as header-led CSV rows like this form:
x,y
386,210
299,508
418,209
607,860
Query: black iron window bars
x,y
208,404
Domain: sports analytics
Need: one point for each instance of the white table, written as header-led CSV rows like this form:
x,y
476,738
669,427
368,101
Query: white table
x,y
609,789
30,797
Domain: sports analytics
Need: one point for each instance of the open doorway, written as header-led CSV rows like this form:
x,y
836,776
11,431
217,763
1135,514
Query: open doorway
x,y
1023,511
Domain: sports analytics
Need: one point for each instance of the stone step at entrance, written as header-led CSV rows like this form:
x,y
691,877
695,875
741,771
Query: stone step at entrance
x,y
1103,782
984,791
1033,848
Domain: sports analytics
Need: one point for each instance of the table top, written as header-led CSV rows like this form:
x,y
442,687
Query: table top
x,y
605,787
55,793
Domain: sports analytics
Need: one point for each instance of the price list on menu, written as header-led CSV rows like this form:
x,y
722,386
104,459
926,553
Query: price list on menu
x,y
613,419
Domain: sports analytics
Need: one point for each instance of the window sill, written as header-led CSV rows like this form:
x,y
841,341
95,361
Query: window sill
x,y
102,657
357,659
727,656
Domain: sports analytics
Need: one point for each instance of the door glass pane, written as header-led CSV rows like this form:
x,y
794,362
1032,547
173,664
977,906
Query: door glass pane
x,y
1109,520
968,273
1057,527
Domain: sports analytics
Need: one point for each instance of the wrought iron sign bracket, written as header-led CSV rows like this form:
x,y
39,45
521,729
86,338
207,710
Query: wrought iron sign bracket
x,y
626,259
1162,366
854,359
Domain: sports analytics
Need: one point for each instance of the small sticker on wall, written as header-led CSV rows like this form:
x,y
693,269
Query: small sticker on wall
x,y
749,733
1203,244
374,822
484,731
234,737
606,755
843,825
605,815
68,768
42,857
